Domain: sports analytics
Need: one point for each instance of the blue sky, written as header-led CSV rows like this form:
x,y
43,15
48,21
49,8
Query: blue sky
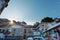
x,y
31,11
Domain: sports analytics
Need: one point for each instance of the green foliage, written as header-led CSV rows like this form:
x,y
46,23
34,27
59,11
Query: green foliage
x,y
36,24
47,19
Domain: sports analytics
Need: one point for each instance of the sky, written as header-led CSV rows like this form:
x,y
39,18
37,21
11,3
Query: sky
x,y
31,11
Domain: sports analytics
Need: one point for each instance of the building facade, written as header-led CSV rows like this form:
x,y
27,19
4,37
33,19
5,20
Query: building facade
x,y
3,4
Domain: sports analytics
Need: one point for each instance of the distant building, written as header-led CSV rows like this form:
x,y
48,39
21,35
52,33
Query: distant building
x,y
27,31
57,20
15,31
4,22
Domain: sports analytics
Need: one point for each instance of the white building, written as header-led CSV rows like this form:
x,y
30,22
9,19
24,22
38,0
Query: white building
x,y
13,32
45,26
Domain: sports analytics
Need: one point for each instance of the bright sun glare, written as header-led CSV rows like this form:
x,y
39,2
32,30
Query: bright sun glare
x,y
11,21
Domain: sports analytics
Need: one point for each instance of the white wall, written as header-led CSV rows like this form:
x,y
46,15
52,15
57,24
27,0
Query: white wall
x,y
18,32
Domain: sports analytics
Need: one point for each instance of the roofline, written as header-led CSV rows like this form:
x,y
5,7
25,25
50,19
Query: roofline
x,y
55,26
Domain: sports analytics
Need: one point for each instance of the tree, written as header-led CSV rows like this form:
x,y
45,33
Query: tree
x,y
36,24
24,22
47,19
